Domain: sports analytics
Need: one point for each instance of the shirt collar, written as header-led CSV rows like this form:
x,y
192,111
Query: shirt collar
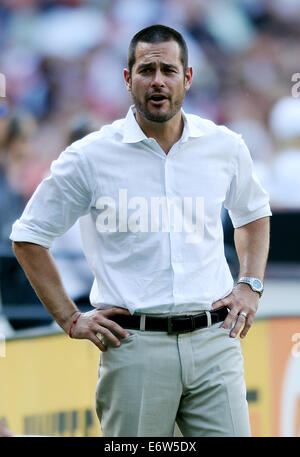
x,y
191,130
134,134
132,131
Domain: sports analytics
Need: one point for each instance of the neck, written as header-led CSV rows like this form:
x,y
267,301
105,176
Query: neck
x,y
165,133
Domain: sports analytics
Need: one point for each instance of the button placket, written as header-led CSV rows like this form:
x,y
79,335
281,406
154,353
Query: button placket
x,y
174,255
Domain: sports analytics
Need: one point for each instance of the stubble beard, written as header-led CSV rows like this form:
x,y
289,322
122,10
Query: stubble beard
x,y
158,117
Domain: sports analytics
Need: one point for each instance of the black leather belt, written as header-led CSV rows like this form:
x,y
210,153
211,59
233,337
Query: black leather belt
x,y
172,324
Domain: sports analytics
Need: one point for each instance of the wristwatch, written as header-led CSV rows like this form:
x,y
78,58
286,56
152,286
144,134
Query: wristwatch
x,y
254,283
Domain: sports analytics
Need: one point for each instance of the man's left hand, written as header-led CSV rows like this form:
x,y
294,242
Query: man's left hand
x,y
243,300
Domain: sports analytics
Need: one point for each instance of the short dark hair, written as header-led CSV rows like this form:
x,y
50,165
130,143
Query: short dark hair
x,y
157,34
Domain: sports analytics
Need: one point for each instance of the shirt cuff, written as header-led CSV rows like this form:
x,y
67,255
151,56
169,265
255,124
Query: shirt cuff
x,y
23,233
259,214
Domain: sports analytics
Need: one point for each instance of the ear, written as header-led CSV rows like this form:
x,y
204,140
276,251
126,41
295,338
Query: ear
x,y
188,78
127,79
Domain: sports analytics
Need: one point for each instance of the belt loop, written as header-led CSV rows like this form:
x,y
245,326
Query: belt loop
x,y
208,315
142,322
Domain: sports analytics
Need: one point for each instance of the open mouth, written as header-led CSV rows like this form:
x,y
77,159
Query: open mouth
x,y
158,99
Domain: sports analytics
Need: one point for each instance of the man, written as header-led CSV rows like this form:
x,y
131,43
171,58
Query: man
x,y
150,188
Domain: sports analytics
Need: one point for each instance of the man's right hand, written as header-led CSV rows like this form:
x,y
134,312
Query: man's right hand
x,y
42,272
97,321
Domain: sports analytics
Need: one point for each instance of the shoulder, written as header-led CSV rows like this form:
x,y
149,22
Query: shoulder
x,y
209,127
107,133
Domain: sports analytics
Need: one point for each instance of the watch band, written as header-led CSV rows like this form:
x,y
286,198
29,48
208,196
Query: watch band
x,y
255,284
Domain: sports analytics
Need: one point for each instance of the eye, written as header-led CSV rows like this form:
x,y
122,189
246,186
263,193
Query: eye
x,y
170,71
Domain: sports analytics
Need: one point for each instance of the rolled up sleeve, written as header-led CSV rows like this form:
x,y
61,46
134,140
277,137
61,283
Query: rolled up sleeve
x,y
58,201
246,199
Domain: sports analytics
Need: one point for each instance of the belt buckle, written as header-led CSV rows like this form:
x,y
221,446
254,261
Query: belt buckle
x,y
193,322
170,326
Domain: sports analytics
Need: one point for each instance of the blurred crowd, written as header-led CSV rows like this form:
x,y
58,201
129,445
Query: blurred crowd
x,y
63,63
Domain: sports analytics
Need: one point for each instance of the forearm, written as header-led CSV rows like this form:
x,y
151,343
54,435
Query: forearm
x,y
40,268
252,246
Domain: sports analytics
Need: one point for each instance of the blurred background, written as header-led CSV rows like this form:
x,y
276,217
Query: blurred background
x,y
63,62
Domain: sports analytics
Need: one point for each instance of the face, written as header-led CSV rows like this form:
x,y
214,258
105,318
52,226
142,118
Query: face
x,y
157,82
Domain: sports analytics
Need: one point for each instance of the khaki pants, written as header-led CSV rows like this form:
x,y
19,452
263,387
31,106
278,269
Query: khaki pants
x,y
153,380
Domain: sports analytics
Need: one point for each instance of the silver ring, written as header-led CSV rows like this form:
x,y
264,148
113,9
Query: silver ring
x,y
100,337
242,313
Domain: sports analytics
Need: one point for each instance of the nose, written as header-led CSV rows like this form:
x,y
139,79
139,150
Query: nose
x,y
157,80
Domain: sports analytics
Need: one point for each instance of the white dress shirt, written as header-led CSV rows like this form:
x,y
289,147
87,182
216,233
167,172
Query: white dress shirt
x,y
150,221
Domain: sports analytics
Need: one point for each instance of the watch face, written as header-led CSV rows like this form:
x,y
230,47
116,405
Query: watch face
x,y
257,284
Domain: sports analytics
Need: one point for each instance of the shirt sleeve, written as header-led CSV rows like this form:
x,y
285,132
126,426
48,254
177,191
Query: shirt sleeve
x,y
57,202
246,200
